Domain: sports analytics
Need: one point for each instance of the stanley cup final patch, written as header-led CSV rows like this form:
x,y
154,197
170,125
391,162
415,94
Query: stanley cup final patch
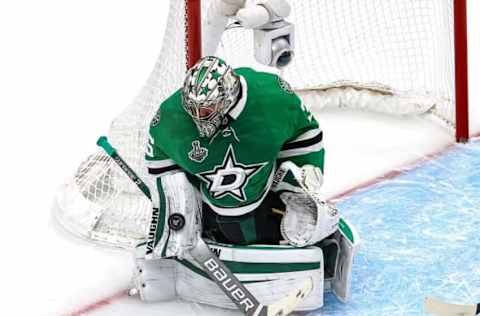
x,y
198,153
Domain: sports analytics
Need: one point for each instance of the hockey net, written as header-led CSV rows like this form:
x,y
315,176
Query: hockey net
x,y
390,56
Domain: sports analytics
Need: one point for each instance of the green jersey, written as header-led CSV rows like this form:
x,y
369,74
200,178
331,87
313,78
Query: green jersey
x,y
234,169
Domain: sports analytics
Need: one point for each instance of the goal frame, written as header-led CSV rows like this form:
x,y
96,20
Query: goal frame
x,y
194,52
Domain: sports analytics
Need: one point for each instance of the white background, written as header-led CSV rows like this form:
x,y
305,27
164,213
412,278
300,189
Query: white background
x,y
66,69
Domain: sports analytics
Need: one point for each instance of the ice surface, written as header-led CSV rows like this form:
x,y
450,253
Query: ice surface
x,y
420,235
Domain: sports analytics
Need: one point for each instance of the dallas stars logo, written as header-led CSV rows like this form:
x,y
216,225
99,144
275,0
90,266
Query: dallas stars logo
x,y
231,177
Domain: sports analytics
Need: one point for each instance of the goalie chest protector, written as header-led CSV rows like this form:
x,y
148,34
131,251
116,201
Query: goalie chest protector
x,y
233,169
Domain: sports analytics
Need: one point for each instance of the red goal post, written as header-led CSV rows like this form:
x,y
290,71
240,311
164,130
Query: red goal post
x,y
461,70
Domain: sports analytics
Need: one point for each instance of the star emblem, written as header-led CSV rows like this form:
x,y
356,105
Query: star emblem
x,y
231,177
216,75
205,90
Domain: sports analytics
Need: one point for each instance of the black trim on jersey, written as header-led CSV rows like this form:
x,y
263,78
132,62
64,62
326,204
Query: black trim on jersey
x,y
261,197
239,97
230,119
303,143
157,171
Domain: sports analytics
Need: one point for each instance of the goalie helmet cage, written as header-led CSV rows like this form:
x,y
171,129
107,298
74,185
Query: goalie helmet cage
x,y
394,56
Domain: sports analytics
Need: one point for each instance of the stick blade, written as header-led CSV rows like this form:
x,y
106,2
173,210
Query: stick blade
x,y
437,307
289,303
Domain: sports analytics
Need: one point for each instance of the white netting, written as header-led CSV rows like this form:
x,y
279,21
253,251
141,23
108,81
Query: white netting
x,y
396,47
100,203
401,51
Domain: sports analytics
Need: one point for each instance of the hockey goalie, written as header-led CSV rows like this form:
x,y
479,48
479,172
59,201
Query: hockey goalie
x,y
236,159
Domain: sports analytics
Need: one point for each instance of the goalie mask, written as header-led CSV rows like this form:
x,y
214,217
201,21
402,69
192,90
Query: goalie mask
x,y
210,90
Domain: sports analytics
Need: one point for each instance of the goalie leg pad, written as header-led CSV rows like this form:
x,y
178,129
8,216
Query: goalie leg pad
x,y
331,254
349,241
269,272
155,279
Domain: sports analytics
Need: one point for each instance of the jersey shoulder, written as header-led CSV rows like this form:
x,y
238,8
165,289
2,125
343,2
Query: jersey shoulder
x,y
268,84
171,119
269,94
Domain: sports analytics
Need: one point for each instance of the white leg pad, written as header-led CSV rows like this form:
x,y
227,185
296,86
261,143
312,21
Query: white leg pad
x,y
155,279
350,242
269,272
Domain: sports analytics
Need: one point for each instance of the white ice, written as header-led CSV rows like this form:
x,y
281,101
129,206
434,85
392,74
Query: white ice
x,y
66,69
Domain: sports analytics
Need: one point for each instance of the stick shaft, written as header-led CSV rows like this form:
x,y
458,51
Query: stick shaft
x,y
112,152
440,308
226,280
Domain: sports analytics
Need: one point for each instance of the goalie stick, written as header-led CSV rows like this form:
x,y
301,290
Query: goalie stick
x,y
437,307
215,268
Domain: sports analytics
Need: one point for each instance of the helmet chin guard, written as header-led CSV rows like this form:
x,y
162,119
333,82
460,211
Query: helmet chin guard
x,y
211,88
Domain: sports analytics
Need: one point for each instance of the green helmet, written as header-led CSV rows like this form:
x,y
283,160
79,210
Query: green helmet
x,y
211,88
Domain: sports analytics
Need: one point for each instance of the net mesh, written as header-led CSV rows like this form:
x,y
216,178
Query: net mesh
x,y
381,55
401,48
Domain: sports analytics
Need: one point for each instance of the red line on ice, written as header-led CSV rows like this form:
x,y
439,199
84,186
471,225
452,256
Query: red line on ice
x,y
391,174
101,303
